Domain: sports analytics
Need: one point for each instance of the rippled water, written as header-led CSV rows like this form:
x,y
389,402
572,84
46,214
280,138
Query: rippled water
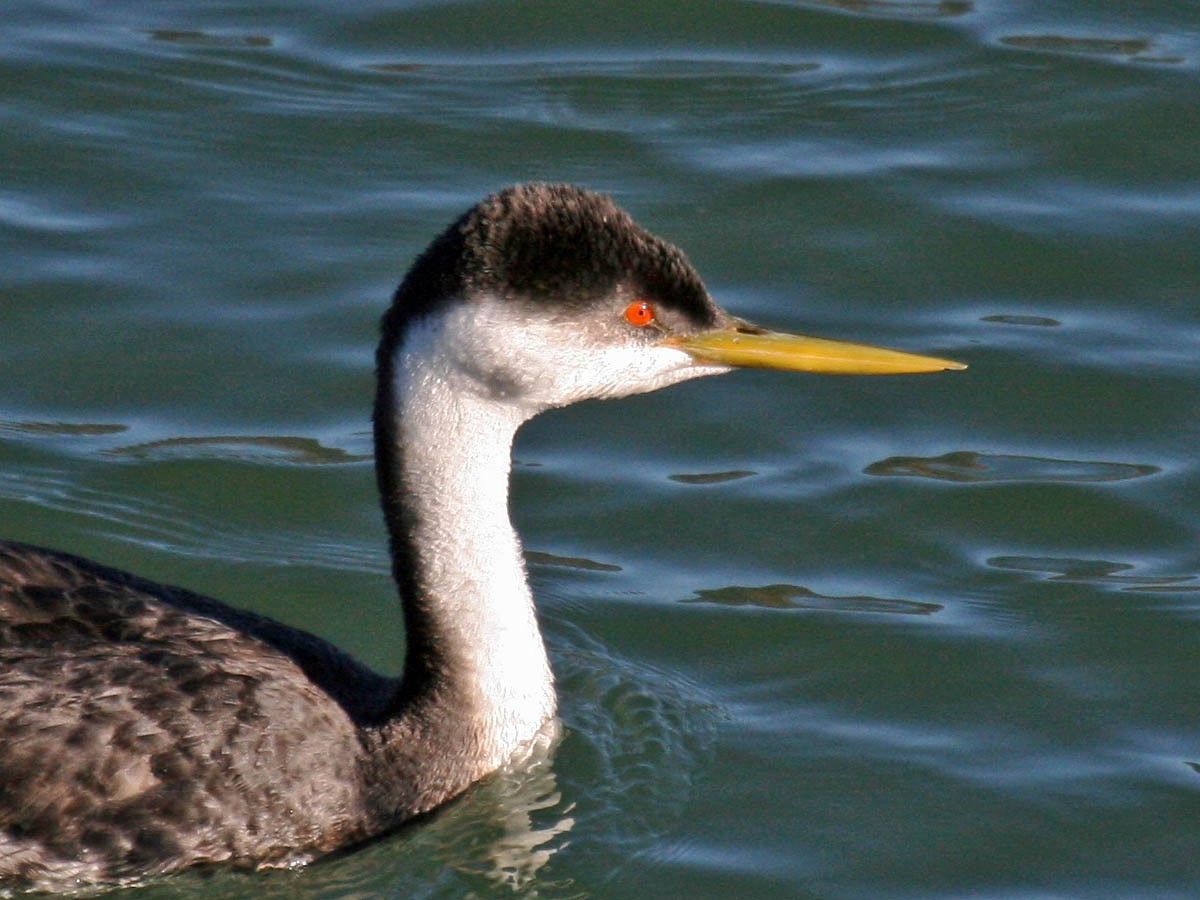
x,y
926,636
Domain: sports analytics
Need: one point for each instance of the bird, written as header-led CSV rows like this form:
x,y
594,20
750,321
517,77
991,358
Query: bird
x,y
145,728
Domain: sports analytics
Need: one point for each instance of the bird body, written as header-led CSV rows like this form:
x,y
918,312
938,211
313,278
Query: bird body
x,y
145,728
138,722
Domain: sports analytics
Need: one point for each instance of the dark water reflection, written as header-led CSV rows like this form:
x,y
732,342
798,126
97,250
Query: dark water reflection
x,y
981,468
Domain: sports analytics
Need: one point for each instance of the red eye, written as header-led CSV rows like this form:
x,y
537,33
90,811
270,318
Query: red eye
x,y
639,313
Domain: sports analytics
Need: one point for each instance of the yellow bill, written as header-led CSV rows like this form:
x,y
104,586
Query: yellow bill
x,y
742,344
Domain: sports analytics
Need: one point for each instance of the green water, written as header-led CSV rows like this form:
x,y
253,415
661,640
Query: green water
x,y
918,637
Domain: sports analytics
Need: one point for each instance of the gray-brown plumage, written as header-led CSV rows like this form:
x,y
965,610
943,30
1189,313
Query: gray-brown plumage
x,y
140,721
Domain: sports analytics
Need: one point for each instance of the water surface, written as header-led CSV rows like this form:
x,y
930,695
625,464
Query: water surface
x,y
929,636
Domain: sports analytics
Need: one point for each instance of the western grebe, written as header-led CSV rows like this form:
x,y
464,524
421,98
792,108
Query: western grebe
x,y
144,728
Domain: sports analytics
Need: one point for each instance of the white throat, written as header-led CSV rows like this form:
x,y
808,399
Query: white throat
x,y
457,447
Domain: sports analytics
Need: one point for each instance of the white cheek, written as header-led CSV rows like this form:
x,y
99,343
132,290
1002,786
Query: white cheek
x,y
616,371
539,364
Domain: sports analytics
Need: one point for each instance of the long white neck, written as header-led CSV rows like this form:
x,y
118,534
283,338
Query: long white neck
x,y
456,383
485,661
